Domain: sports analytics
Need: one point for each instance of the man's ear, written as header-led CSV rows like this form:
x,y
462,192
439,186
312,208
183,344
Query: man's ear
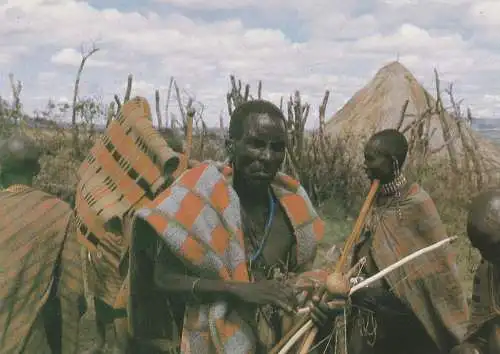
x,y
229,143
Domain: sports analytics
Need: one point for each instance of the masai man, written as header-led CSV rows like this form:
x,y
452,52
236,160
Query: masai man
x,y
41,294
224,238
483,227
18,162
419,308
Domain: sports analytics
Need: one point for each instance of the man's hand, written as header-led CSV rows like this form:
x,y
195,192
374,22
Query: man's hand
x,y
323,313
266,292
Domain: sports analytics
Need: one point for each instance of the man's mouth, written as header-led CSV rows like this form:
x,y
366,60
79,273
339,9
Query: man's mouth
x,y
261,174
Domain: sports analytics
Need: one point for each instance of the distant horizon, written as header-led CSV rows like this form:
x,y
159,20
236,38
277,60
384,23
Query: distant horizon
x,y
67,123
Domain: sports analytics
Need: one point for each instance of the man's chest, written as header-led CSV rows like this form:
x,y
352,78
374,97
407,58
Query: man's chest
x,y
268,242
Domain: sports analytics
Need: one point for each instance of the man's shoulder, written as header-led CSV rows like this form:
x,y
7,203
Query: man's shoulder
x,y
204,170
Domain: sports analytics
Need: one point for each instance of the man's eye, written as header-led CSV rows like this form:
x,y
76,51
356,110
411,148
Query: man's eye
x,y
256,143
278,147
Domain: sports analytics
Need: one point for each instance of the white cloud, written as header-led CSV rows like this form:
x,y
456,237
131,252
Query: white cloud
x,y
69,56
311,46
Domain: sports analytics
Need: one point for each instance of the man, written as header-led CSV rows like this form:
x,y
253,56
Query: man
x,y
482,229
419,308
19,162
41,294
218,243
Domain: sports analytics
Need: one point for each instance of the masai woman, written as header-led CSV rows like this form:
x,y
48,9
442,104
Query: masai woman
x,y
419,308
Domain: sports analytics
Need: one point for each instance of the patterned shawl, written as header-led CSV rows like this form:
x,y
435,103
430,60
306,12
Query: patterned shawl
x,y
33,230
429,285
198,218
485,297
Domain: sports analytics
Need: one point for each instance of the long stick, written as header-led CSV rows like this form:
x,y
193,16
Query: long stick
x,y
372,279
400,263
350,242
307,326
358,226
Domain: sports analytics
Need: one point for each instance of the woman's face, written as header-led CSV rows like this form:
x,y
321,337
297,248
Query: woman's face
x,y
378,164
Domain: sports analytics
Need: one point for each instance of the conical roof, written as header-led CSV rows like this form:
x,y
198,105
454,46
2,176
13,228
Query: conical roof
x,y
378,106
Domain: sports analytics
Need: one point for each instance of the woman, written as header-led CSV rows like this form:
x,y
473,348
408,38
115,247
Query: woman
x,y
420,307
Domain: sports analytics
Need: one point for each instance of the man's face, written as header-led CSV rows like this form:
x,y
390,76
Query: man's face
x,y
486,241
260,152
378,165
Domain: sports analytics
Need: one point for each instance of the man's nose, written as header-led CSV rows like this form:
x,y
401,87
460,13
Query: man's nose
x,y
266,153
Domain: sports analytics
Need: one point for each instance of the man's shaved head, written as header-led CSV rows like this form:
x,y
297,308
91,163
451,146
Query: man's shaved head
x,y
18,150
391,142
385,153
483,224
19,159
251,109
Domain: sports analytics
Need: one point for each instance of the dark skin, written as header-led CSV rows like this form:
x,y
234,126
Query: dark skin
x,y
257,157
18,161
482,229
378,164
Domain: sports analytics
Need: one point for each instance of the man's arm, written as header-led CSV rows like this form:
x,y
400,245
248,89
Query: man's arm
x,y
171,276
202,290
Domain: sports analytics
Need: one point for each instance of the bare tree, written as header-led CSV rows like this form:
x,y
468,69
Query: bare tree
x,y
85,56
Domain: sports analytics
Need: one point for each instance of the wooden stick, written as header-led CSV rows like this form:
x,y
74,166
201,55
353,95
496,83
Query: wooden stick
x,y
349,245
189,141
306,327
358,226
370,280
290,334
400,263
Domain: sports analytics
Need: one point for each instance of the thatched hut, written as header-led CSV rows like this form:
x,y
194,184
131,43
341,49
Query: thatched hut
x,y
395,99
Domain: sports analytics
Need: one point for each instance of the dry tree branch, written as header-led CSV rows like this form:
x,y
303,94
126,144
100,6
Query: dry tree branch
x,y
452,153
111,113
322,121
179,103
118,103
417,121
128,91
471,154
167,102
439,148
16,88
158,111
85,56
402,115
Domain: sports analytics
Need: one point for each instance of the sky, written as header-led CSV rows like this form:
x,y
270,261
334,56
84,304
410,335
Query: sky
x,y
311,46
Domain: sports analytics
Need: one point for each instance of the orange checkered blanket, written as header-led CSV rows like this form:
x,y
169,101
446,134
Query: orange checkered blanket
x,y
198,218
